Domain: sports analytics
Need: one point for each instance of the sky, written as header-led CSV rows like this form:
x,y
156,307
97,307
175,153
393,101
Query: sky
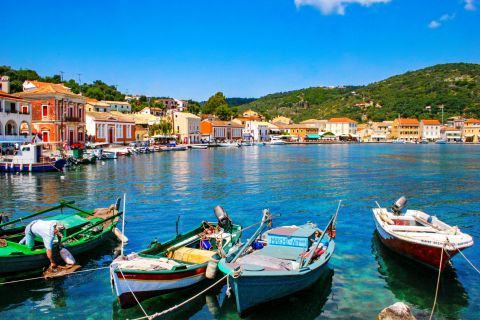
x,y
190,49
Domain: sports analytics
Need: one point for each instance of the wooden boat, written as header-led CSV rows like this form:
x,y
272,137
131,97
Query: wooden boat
x,y
282,261
177,264
84,230
419,236
29,159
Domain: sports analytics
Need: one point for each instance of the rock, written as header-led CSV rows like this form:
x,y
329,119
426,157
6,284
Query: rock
x,y
397,311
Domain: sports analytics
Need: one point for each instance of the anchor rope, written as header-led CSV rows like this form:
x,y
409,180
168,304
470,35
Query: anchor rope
x,y
468,260
158,314
37,278
131,291
438,282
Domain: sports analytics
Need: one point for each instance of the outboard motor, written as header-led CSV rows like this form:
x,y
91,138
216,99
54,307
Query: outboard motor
x,y
224,220
399,205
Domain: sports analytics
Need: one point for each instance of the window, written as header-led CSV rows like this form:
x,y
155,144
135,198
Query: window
x,y
129,131
119,129
45,111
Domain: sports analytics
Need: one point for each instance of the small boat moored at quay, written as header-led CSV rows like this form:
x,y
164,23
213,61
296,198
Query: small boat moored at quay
x,y
177,264
199,146
275,141
84,230
419,236
229,144
278,262
29,159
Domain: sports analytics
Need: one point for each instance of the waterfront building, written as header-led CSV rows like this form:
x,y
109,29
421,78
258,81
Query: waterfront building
x,y
142,125
320,124
342,127
187,127
471,130
381,131
93,105
58,114
406,129
430,130
217,130
155,111
452,134
15,118
110,127
256,131
121,106
456,122
281,120
302,131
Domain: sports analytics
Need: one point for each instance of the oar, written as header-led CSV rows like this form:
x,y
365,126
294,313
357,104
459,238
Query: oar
x,y
59,206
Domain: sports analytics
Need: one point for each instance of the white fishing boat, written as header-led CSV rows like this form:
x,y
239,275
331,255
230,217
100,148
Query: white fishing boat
x,y
419,236
229,144
274,141
29,159
199,146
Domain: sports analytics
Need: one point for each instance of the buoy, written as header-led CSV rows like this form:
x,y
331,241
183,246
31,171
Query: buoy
x,y
212,267
119,235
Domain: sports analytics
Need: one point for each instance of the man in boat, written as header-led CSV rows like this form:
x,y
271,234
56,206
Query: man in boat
x,y
47,230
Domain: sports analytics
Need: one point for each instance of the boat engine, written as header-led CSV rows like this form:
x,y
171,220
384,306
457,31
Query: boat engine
x,y
399,205
224,220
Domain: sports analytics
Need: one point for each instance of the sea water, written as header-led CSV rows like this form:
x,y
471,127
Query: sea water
x,y
299,183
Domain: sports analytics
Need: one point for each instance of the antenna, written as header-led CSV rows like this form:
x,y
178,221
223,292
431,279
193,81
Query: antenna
x,y
79,79
61,75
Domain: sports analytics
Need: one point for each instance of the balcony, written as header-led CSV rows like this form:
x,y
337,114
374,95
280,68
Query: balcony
x,y
72,119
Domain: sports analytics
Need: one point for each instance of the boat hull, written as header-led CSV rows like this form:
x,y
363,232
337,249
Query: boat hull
x,y
36,167
37,261
149,284
424,254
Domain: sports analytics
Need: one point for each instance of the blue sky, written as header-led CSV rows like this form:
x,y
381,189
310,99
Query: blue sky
x,y
245,48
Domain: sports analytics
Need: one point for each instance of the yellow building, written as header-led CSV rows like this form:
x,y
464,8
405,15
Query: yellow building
x,y
471,130
251,114
282,120
406,129
302,131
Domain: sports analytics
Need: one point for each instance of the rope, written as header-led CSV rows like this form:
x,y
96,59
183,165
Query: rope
x,y
158,314
37,278
133,294
438,283
473,266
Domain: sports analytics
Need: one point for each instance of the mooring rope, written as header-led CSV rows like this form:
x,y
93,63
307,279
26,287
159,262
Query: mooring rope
x,y
37,278
438,282
158,314
131,291
471,264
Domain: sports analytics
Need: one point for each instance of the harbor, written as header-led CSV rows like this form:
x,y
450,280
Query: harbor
x,y
297,183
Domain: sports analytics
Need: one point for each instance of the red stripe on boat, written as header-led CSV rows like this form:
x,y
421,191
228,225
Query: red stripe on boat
x,y
161,276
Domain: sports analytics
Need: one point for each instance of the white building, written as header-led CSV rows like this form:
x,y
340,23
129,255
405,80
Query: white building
x,y
342,127
182,105
121,106
187,127
452,134
256,130
110,127
154,111
5,84
430,130
15,118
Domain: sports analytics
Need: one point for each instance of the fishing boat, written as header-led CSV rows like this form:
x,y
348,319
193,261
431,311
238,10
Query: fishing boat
x,y
229,144
278,262
441,141
275,141
29,159
84,230
419,236
177,264
399,141
199,146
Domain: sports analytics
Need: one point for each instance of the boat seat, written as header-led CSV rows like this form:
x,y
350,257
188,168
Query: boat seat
x,y
191,255
284,253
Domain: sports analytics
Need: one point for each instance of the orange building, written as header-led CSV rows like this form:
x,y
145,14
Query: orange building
x,y
58,115
217,130
471,130
406,129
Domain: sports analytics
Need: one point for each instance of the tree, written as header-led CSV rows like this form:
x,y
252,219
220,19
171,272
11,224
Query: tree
x,y
165,127
214,102
194,107
223,112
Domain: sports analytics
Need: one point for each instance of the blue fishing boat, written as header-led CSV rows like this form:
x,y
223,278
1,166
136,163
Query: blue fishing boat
x,y
29,158
278,262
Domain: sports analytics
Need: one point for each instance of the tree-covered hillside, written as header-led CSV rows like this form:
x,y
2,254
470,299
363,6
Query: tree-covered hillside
x,y
418,94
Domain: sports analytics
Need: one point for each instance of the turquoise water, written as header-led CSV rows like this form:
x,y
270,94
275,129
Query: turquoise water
x,y
299,182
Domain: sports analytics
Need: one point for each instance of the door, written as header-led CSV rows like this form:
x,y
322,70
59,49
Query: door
x,y
45,136
110,135
70,137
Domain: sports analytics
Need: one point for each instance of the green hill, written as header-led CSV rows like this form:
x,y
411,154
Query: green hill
x,y
454,85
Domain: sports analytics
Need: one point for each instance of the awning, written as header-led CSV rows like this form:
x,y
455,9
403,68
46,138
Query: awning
x,y
313,136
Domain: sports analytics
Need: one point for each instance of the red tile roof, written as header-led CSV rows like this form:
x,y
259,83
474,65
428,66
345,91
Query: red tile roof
x,y
342,120
472,121
431,122
11,97
408,121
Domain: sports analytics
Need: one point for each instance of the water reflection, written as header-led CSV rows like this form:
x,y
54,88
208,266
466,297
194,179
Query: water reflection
x,y
415,284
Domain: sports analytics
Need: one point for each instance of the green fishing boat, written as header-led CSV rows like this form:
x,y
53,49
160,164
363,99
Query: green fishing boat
x,y
84,230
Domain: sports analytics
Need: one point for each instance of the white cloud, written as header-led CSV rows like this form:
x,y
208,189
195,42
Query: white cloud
x,y
336,6
470,5
434,24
